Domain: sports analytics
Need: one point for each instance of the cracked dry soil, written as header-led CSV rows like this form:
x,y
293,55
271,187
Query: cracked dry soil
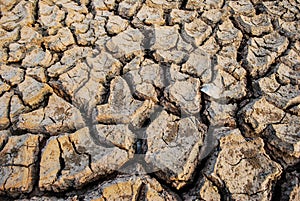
x,y
149,100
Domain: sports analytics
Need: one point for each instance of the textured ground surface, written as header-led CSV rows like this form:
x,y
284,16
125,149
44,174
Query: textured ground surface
x,y
149,100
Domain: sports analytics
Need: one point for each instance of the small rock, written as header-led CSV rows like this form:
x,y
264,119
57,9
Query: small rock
x,y
163,4
283,139
84,82
76,12
214,15
209,191
89,37
172,56
16,108
281,96
104,4
8,5
292,57
50,16
37,73
161,33
273,8
30,37
103,67
21,14
288,11
119,135
172,50
3,54
290,28
4,134
225,87
176,75
7,37
203,190
73,79
89,95
288,75
227,61
133,65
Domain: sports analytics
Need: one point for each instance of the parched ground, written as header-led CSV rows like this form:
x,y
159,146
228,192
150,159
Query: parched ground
x,y
149,100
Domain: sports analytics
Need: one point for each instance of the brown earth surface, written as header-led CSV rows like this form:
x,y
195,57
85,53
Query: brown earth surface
x,y
149,100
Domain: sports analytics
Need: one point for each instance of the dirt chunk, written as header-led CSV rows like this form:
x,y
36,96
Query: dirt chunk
x,y
169,137
33,92
116,24
12,74
128,8
259,114
21,14
76,159
262,52
126,44
149,16
199,64
178,16
186,95
256,25
203,5
18,164
290,189
196,31
133,187
4,114
57,117
283,139
258,170
60,41
145,79
244,7
121,107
